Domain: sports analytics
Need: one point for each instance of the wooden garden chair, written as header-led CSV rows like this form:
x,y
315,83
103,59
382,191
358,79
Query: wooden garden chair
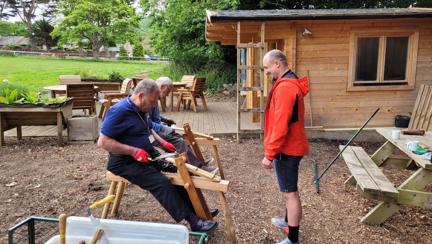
x,y
185,82
188,95
83,96
113,97
69,79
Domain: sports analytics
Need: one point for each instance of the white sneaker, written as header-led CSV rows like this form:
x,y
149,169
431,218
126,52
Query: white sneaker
x,y
279,222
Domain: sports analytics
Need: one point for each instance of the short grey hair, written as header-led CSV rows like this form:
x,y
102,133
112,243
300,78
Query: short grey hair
x,y
147,86
164,81
276,54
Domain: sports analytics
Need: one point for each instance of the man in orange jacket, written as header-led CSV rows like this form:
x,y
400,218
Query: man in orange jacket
x,y
285,140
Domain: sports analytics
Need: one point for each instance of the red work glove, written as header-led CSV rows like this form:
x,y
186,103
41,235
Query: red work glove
x,y
141,156
168,146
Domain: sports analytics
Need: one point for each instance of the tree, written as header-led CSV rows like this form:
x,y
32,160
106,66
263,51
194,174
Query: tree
x,y
98,21
138,50
4,10
26,9
42,33
12,29
177,28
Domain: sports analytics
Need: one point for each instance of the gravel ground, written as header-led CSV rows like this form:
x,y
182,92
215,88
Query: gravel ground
x,y
39,178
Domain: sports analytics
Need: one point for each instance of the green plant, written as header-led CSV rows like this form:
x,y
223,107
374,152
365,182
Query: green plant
x,y
115,76
31,97
48,100
9,95
138,50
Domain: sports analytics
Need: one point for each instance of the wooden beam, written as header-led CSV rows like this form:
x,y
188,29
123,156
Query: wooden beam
x,y
383,153
175,179
415,198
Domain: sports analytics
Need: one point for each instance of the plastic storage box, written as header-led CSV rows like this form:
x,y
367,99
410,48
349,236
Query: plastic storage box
x,y
80,229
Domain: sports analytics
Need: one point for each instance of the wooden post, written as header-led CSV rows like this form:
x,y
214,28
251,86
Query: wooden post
x,y
2,128
60,128
118,196
198,202
218,161
229,227
111,190
62,228
191,138
238,82
19,132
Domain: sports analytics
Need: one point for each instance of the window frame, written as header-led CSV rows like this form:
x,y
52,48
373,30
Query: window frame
x,y
382,34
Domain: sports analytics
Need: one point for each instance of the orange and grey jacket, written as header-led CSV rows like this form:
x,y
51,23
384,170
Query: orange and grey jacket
x,y
284,130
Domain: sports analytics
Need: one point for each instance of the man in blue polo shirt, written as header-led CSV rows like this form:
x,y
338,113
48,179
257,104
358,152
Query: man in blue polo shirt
x,y
127,135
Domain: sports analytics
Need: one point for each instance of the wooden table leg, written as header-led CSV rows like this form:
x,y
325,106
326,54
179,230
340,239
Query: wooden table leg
x,y
60,128
410,193
53,94
2,127
172,101
19,132
383,153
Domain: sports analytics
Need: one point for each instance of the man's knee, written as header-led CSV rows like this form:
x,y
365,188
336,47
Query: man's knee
x,y
291,195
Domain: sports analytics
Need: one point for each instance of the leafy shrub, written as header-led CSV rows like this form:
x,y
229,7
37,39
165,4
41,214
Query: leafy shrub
x,y
138,50
115,76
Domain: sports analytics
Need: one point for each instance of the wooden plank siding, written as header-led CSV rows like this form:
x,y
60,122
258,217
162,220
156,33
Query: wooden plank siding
x,y
325,56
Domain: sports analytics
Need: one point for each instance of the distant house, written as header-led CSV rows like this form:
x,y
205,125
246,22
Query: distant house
x,y
356,59
14,40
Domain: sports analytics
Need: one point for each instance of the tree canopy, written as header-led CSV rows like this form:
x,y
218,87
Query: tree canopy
x,y
177,30
99,22
12,29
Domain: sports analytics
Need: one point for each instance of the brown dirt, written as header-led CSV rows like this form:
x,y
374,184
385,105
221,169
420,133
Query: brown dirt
x,y
53,180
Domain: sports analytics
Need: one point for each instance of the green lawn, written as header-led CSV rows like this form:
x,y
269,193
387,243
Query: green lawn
x,y
37,72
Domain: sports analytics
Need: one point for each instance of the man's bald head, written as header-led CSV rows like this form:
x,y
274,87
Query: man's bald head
x,y
277,55
275,63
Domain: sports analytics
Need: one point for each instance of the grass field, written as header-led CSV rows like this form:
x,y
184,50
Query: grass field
x,y
37,72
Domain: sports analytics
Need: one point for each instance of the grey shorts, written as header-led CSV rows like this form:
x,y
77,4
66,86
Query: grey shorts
x,y
287,168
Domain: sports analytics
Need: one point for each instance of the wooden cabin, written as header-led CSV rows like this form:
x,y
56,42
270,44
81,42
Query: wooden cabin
x,y
356,59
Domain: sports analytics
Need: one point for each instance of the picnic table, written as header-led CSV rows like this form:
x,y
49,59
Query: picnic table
x,y
98,86
372,183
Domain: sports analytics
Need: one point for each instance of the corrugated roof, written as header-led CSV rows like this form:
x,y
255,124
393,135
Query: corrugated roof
x,y
310,14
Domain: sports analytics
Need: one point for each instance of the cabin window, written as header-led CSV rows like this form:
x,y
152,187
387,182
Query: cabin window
x,y
382,60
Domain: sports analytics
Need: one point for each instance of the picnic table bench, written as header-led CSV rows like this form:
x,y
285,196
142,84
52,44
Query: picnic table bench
x,y
368,178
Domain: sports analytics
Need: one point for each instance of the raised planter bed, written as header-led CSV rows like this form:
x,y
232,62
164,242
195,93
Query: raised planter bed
x,y
17,115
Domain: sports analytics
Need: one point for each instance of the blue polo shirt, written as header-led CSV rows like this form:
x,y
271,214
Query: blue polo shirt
x,y
125,123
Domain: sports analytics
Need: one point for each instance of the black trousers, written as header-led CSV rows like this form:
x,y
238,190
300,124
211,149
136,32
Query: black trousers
x,y
173,198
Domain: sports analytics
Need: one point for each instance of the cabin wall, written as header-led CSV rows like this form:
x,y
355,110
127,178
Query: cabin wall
x,y
324,57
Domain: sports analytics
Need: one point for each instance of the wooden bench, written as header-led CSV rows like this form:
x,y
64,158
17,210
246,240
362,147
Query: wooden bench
x,y
367,177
